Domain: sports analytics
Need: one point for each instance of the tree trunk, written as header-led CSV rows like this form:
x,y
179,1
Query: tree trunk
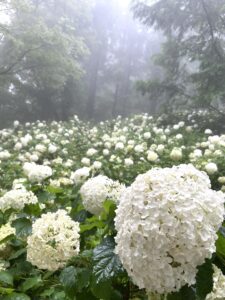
x,y
116,98
93,81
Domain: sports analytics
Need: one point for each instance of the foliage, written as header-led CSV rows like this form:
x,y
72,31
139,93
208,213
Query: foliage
x,y
41,50
96,273
194,32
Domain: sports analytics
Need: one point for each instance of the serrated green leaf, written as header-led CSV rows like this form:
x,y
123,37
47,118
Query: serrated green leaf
x,y
68,278
30,283
106,263
23,227
6,278
204,280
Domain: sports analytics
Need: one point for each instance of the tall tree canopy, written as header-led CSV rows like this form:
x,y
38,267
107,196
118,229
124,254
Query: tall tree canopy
x,y
42,47
196,28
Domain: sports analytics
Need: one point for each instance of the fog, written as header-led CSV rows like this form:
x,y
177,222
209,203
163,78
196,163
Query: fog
x,y
97,59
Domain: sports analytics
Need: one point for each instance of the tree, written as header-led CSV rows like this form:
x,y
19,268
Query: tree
x,y
41,50
196,28
119,48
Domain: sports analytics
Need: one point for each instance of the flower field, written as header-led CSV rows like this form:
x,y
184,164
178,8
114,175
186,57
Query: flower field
x,y
126,209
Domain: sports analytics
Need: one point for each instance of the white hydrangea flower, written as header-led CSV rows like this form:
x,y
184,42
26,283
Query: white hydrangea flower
x,y
139,148
167,222
54,240
208,131
221,179
105,152
128,162
176,154
80,175
147,135
96,190
4,155
152,155
211,168
97,165
86,161
52,148
5,231
119,146
37,173
40,148
17,199
18,146
218,292
91,152
16,123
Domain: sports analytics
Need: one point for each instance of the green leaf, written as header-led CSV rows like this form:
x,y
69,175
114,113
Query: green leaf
x,y
106,263
109,206
5,291
204,280
83,278
59,296
86,295
47,293
54,190
81,216
68,278
17,296
18,253
186,293
102,290
220,244
6,239
91,223
30,283
23,227
33,210
6,278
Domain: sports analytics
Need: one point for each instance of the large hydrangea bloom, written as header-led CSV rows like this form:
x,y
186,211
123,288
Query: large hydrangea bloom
x,y
37,173
167,222
96,190
17,199
54,240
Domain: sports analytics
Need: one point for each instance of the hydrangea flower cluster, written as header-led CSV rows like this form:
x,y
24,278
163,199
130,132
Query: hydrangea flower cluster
x,y
80,175
54,240
218,291
5,231
17,199
167,222
98,189
37,173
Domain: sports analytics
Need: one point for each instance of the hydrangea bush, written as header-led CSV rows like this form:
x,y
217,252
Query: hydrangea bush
x,y
129,209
